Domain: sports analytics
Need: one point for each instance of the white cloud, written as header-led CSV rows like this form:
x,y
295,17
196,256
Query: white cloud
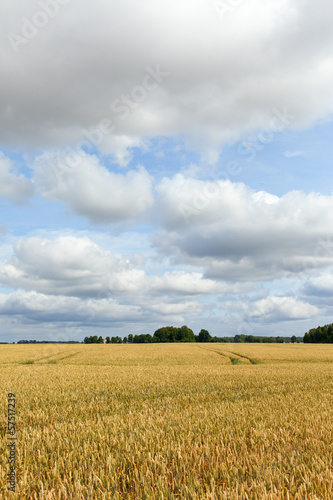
x,y
74,282
320,286
190,283
77,315
225,76
69,266
162,78
48,308
90,190
77,266
171,310
236,233
13,186
283,308
72,279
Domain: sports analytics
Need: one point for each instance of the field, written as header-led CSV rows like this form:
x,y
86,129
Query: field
x,y
164,421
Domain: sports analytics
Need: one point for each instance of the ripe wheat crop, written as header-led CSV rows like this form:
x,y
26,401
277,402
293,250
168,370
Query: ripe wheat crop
x,y
165,421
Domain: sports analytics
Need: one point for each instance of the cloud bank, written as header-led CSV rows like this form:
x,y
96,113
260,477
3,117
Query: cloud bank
x,y
240,234
158,68
90,190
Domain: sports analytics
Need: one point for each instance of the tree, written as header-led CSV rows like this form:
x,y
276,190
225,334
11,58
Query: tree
x,y
108,341
330,334
130,338
143,339
239,338
166,334
93,339
319,335
174,334
293,339
116,340
204,336
185,334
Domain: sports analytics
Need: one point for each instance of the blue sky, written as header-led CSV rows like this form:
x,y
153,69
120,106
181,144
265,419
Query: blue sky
x,y
165,165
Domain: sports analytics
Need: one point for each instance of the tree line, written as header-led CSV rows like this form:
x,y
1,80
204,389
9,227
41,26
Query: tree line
x,y
185,334
319,335
46,342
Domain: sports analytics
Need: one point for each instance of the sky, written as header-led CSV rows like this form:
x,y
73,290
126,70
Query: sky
x,y
165,163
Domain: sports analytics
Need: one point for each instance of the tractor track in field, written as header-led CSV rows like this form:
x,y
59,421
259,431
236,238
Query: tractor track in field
x,y
54,360
252,361
233,361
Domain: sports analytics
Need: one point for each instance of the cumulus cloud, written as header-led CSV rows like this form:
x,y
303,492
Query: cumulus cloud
x,y
237,233
48,308
13,186
283,308
29,307
77,266
187,283
69,266
170,310
90,190
84,86
320,286
182,70
73,280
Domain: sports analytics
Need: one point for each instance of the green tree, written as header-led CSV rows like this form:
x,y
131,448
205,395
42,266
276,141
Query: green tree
x,y
319,335
116,340
204,336
185,334
143,339
93,339
166,334
330,334
239,338
174,334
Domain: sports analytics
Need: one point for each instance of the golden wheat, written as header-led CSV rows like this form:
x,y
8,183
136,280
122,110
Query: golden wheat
x,y
164,421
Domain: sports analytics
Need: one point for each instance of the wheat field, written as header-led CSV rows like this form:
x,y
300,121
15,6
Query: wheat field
x,y
164,421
